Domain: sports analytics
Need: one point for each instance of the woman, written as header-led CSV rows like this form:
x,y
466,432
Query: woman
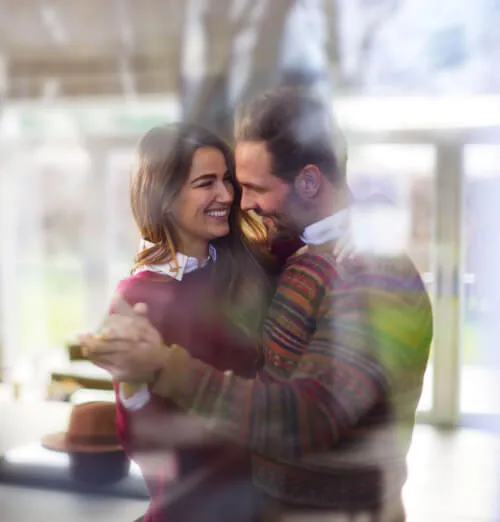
x,y
202,276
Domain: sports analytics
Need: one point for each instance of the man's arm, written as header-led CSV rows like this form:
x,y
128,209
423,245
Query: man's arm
x,y
336,381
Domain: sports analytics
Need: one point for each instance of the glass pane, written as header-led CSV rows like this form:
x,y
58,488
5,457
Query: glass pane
x,y
403,174
122,233
64,193
46,213
480,386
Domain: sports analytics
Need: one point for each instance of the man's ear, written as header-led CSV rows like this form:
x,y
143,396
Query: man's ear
x,y
308,183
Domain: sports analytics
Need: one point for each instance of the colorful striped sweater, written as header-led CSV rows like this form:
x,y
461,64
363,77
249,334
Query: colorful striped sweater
x,y
330,419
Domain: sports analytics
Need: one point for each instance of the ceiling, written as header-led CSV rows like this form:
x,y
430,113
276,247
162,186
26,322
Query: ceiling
x,y
79,48
87,48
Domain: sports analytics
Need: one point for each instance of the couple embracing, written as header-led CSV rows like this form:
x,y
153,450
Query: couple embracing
x,y
259,374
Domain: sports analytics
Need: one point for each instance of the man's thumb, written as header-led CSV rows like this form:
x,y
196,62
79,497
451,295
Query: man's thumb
x,y
141,309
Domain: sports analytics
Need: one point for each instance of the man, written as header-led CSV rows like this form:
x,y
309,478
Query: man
x,y
330,420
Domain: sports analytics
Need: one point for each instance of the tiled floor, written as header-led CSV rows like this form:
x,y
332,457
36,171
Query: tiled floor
x,y
454,476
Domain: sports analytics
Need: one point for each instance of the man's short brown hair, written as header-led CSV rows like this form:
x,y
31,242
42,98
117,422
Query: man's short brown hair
x,y
298,129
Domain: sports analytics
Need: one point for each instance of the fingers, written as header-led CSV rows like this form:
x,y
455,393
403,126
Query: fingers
x,y
96,348
119,327
109,357
122,338
125,321
84,340
121,307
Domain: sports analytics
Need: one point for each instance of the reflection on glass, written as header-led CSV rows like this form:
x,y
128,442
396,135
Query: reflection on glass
x,y
401,179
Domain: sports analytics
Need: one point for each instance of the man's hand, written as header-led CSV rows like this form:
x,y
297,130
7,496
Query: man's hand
x,y
127,345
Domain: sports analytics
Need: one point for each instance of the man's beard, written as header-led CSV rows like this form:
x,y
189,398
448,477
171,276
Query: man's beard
x,y
278,230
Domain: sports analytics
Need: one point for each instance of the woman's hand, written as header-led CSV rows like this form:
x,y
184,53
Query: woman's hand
x,y
127,345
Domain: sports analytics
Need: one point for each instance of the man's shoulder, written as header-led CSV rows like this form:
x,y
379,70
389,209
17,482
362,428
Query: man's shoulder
x,y
318,264
320,269
398,293
367,270
392,272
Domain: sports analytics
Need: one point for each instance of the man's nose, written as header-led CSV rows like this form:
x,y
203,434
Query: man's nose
x,y
247,202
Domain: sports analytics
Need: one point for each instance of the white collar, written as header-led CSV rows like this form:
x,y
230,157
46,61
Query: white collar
x,y
328,229
186,264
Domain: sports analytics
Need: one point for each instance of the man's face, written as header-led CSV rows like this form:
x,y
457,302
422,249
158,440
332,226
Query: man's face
x,y
266,194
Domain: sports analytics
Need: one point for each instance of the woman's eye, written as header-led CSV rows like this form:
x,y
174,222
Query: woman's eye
x,y
210,183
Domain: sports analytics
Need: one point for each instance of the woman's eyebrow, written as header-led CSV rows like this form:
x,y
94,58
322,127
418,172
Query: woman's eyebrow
x,y
208,176
205,177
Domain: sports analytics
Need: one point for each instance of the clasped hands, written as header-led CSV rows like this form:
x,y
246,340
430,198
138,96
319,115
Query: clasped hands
x,y
126,345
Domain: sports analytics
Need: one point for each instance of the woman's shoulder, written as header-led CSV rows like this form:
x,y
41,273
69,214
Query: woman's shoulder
x,y
147,286
144,278
144,286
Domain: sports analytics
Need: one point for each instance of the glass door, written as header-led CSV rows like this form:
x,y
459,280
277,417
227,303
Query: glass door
x,y
480,375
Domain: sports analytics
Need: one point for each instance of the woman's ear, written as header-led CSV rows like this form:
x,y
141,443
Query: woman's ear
x,y
308,183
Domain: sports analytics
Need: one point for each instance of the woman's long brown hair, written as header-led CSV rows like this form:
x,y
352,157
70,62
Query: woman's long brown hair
x,y
164,158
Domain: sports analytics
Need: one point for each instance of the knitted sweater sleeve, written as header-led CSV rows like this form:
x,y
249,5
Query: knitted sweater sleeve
x,y
334,382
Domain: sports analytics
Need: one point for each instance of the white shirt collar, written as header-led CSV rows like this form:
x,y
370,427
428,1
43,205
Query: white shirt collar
x,y
186,264
328,229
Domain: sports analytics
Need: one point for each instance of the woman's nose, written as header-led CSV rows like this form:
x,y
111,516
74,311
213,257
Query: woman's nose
x,y
225,193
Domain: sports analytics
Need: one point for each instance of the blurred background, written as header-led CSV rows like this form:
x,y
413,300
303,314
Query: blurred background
x,y
415,86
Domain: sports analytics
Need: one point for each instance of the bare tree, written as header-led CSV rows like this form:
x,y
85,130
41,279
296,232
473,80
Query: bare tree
x,y
359,46
379,17
241,52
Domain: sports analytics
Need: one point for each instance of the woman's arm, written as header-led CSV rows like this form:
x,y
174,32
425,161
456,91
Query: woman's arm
x,y
130,397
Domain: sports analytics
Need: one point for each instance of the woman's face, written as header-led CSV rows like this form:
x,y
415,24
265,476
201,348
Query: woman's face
x,y
202,209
